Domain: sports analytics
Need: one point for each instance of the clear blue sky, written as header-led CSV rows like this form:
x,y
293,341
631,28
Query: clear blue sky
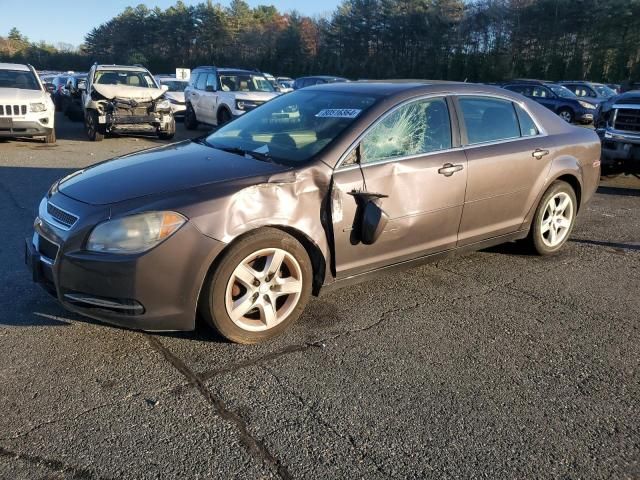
x,y
70,20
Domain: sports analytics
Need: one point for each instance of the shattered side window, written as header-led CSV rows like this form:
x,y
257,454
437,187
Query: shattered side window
x,y
419,127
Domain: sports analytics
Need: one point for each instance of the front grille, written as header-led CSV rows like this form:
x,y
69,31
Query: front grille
x,y
13,110
627,119
65,218
47,248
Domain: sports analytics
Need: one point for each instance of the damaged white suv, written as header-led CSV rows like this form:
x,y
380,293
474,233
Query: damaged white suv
x,y
26,108
125,99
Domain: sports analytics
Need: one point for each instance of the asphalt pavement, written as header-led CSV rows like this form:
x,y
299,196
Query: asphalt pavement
x,y
492,365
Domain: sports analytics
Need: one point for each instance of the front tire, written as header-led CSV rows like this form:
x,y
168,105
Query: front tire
x,y
95,132
170,132
566,114
259,288
554,219
224,116
190,119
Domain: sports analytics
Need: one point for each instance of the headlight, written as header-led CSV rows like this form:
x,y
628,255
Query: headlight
x,y
163,105
37,107
587,105
134,234
245,104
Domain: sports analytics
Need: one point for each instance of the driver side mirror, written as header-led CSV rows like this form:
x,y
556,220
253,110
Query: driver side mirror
x,y
164,88
82,85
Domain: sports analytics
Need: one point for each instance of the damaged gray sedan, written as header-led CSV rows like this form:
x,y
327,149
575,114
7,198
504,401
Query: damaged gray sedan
x,y
311,191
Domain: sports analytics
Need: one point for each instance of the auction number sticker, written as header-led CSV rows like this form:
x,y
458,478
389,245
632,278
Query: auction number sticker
x,y
339,113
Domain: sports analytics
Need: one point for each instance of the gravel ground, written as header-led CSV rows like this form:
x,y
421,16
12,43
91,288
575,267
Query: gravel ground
x,y
492,365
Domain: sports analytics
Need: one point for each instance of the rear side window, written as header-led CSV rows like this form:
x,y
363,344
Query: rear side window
x,y
202,78
211,81
489,119
527,125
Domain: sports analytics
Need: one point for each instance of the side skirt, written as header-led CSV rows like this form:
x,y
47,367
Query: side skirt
x,y
399,267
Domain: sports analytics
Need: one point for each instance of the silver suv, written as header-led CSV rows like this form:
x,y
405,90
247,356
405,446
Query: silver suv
x,y
217,95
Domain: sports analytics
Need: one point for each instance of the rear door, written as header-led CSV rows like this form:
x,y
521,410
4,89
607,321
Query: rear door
x,y
508,159
411,156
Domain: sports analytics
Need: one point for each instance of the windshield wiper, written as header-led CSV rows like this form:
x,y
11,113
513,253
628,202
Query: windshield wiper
x,y
263,157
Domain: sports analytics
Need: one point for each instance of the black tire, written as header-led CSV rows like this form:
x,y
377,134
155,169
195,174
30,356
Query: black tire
x,y
212,305
567,115
95,132
224,116
50,137
190,119
171,131
536,238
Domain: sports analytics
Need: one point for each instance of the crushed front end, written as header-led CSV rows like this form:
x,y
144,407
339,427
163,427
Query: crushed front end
x,y
122,115
619,129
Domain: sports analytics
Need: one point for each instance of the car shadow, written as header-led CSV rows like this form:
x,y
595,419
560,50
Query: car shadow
x,y
614,245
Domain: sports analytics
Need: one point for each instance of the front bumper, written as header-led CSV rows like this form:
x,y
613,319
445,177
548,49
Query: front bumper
x,y
620,151
136,123
585,116
24,128
155,291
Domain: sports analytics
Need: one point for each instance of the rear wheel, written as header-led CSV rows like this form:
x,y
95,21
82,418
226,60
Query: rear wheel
x,y
566,114
554,219
190,120
259,288
94,131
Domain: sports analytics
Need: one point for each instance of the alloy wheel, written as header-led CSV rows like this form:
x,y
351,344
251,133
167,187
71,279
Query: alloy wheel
x,y
263,289
566,116
557,219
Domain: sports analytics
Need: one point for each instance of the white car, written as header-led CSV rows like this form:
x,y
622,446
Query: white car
x,y
175,93
26,108
216,96
125,99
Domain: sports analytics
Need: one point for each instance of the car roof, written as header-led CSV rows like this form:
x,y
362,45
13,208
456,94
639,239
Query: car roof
x,y
14,66
410,88
131,68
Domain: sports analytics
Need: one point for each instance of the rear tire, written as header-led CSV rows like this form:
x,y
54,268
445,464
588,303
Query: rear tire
x,y
554,219
94,131
249,285
190,119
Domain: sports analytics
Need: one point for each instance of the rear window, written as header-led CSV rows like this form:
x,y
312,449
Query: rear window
x,y
489,119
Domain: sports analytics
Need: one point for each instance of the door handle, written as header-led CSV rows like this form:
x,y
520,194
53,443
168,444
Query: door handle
x,y
449,169
538,153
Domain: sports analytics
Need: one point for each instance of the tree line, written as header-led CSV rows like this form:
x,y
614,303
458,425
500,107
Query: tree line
x,y
474,40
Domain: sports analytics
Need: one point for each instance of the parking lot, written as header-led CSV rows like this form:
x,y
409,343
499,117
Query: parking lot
x,y
497,364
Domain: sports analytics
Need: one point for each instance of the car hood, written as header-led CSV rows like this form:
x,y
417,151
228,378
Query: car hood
x,y
20,95
160,170
175,96
263,96
141,94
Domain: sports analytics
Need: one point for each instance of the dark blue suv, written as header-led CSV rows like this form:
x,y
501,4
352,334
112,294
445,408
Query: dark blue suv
x,y
556,98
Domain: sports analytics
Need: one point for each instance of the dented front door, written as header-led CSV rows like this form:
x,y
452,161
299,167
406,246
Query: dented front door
x,y
424,208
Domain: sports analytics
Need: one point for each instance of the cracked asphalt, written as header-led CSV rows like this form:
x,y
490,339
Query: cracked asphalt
x,y
492,365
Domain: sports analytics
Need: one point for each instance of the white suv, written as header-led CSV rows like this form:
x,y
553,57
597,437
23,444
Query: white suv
x,y
26,108
217,95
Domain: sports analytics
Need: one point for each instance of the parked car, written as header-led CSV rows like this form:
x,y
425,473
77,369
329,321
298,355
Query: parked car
x,y
246,223
72,97
125,99
618,125
589,90
285,83
58,82
216,96
556,98
26,108
174,93
304,82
